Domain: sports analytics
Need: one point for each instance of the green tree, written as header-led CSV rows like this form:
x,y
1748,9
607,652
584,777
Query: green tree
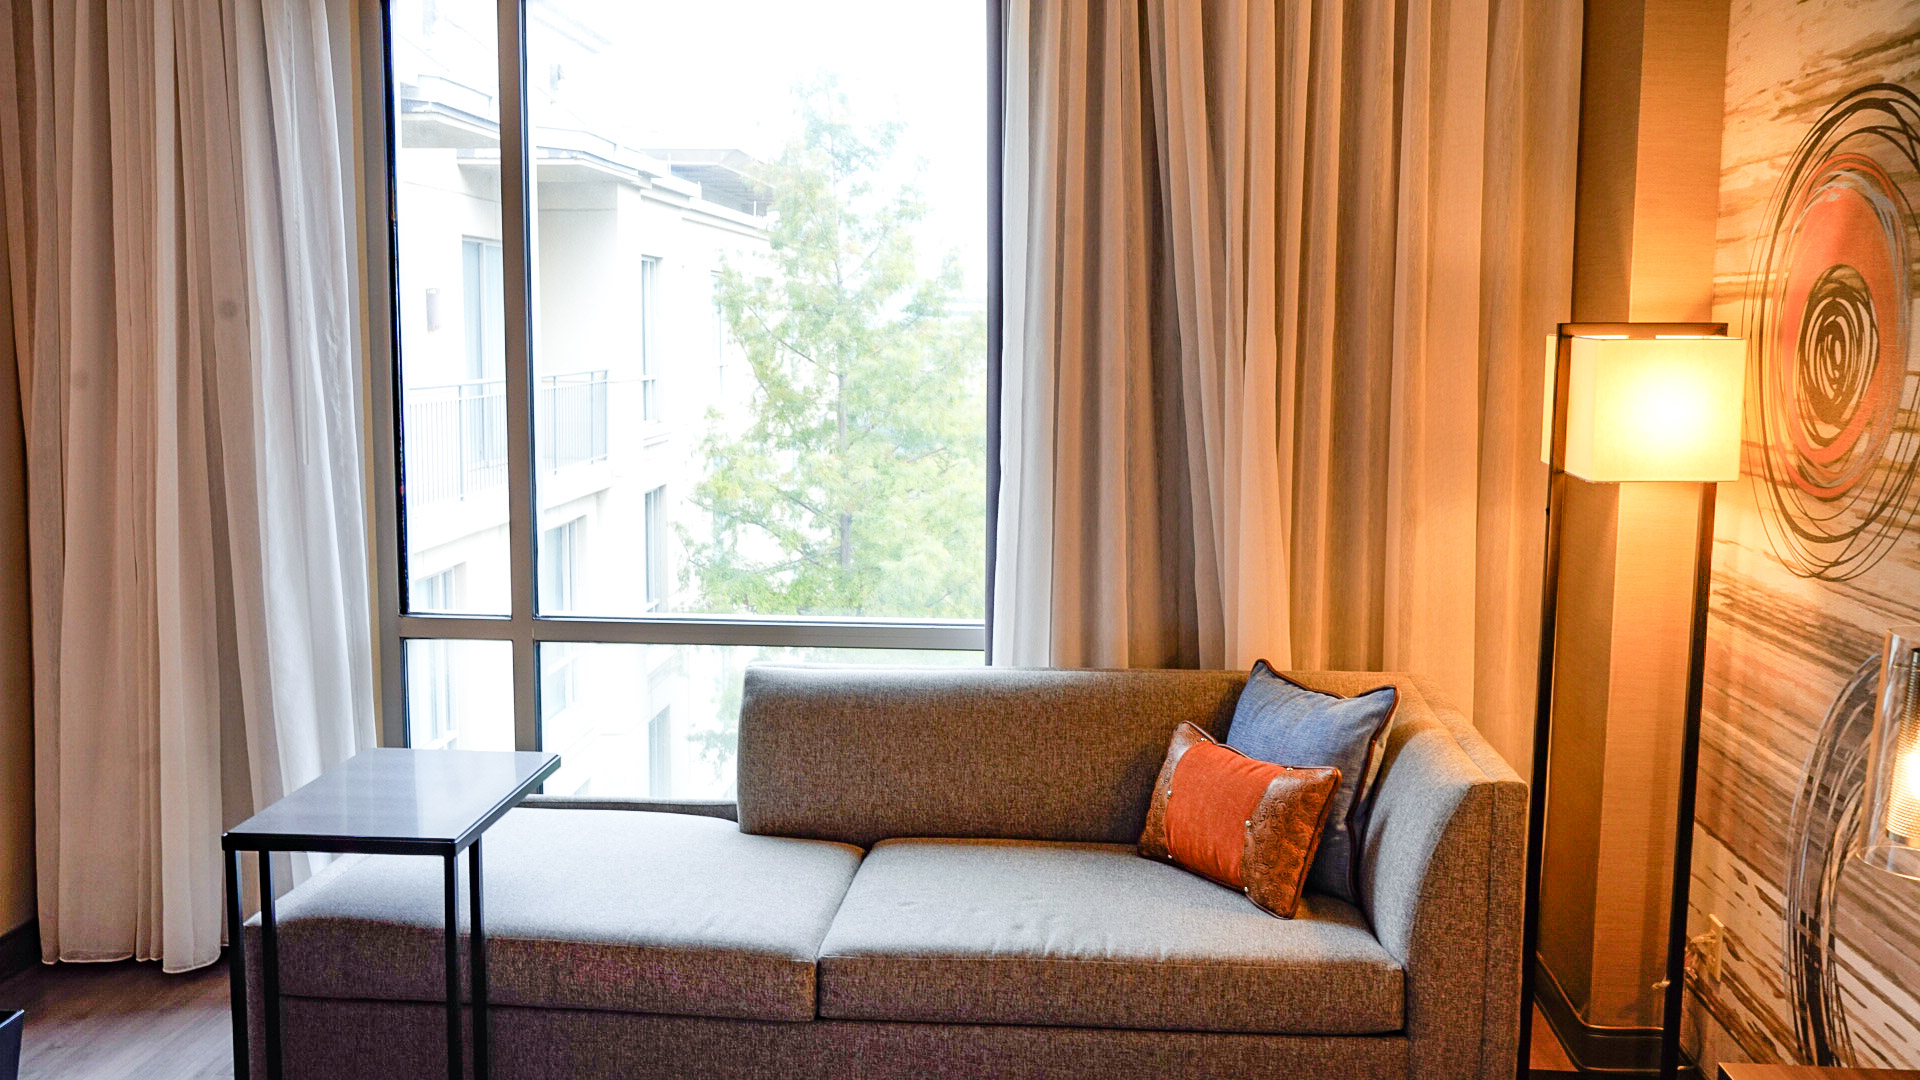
x,y
854,482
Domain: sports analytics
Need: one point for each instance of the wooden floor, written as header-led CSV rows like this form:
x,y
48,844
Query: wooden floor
x,y
122,1021
1546,1054
126,1021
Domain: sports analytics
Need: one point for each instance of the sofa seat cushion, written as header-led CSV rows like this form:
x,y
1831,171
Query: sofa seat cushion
x,y
589,909
1092,935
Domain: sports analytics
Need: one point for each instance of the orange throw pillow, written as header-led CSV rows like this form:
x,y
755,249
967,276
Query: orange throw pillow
x,y
1242,822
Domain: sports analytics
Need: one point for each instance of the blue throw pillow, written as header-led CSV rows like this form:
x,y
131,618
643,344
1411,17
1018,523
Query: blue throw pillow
x,y
1280,721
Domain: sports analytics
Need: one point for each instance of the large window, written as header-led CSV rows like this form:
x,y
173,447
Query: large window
x,y
691,363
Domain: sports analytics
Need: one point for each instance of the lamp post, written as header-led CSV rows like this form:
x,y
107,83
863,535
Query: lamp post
x,y
1629,402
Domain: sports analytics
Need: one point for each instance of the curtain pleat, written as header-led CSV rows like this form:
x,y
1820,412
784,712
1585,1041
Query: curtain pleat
x,y
178,243
1277,276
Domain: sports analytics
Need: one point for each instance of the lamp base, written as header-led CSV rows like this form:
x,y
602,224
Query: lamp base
x,y
1893,858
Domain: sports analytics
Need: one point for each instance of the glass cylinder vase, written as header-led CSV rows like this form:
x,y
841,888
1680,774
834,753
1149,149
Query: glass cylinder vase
x,y
1890,831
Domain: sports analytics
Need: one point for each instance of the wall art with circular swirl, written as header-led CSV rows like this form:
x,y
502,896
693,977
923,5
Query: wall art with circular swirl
x,y
1828,317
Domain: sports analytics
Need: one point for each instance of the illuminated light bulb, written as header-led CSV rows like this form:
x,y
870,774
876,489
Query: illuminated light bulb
x,y
1903,794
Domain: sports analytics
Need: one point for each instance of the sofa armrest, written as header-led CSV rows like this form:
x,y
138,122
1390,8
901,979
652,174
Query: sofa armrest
x,y
720,808
1442,879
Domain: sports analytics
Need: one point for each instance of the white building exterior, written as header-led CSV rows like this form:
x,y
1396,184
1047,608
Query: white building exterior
x,y
631,367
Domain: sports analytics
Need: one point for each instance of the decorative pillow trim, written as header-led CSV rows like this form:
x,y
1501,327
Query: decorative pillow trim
x,y
1276,871
1153,839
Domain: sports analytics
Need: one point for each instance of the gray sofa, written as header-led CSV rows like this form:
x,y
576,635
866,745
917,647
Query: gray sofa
x,y
933,874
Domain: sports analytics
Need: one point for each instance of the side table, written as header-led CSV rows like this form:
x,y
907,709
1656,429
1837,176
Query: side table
x,y
382,802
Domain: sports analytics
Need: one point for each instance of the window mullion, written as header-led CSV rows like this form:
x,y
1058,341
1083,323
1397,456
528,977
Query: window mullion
x,y
951,635
380,371
516,236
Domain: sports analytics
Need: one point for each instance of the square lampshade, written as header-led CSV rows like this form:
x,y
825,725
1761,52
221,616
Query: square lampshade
x,y
1654,408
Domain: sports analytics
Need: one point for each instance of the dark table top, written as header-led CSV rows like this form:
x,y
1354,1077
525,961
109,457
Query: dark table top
x,y
392,801
1809,1073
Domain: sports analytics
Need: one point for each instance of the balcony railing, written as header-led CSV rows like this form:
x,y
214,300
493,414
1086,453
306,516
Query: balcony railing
x,y
570,420
456,434
455,440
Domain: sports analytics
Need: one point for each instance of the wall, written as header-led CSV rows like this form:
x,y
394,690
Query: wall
x,y
1815,555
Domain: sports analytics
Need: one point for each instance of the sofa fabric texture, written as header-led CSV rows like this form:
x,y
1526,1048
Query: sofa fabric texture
x,y
1244,823
1092,935
1279,720
377,1040
1441,877
659,913
858,755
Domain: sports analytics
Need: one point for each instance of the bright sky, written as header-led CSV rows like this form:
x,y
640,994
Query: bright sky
x,y
723,74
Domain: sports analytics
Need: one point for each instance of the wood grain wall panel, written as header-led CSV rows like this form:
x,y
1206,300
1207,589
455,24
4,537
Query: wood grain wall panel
x,y
1795,626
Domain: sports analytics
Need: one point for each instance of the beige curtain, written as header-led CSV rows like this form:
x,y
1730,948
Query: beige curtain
x,y
1278,276
178,266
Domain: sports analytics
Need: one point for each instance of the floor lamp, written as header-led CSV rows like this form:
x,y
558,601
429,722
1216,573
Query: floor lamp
x,y
1633,402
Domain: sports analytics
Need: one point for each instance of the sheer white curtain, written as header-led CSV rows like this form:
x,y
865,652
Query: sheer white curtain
x,y
179,257
1277,277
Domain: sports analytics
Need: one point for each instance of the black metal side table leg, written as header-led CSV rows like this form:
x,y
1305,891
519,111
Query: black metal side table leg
x,y
269,967
477,964
452,862
237,969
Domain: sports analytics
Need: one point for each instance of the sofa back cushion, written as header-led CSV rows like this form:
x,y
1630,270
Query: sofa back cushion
x,y
862,754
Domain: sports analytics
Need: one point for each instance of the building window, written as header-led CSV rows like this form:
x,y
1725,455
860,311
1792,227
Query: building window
x,y
656,553
430,691
649,337
559,552
717,336
481,291
435,592
828,480
430,671
559,557
558,682
660,754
